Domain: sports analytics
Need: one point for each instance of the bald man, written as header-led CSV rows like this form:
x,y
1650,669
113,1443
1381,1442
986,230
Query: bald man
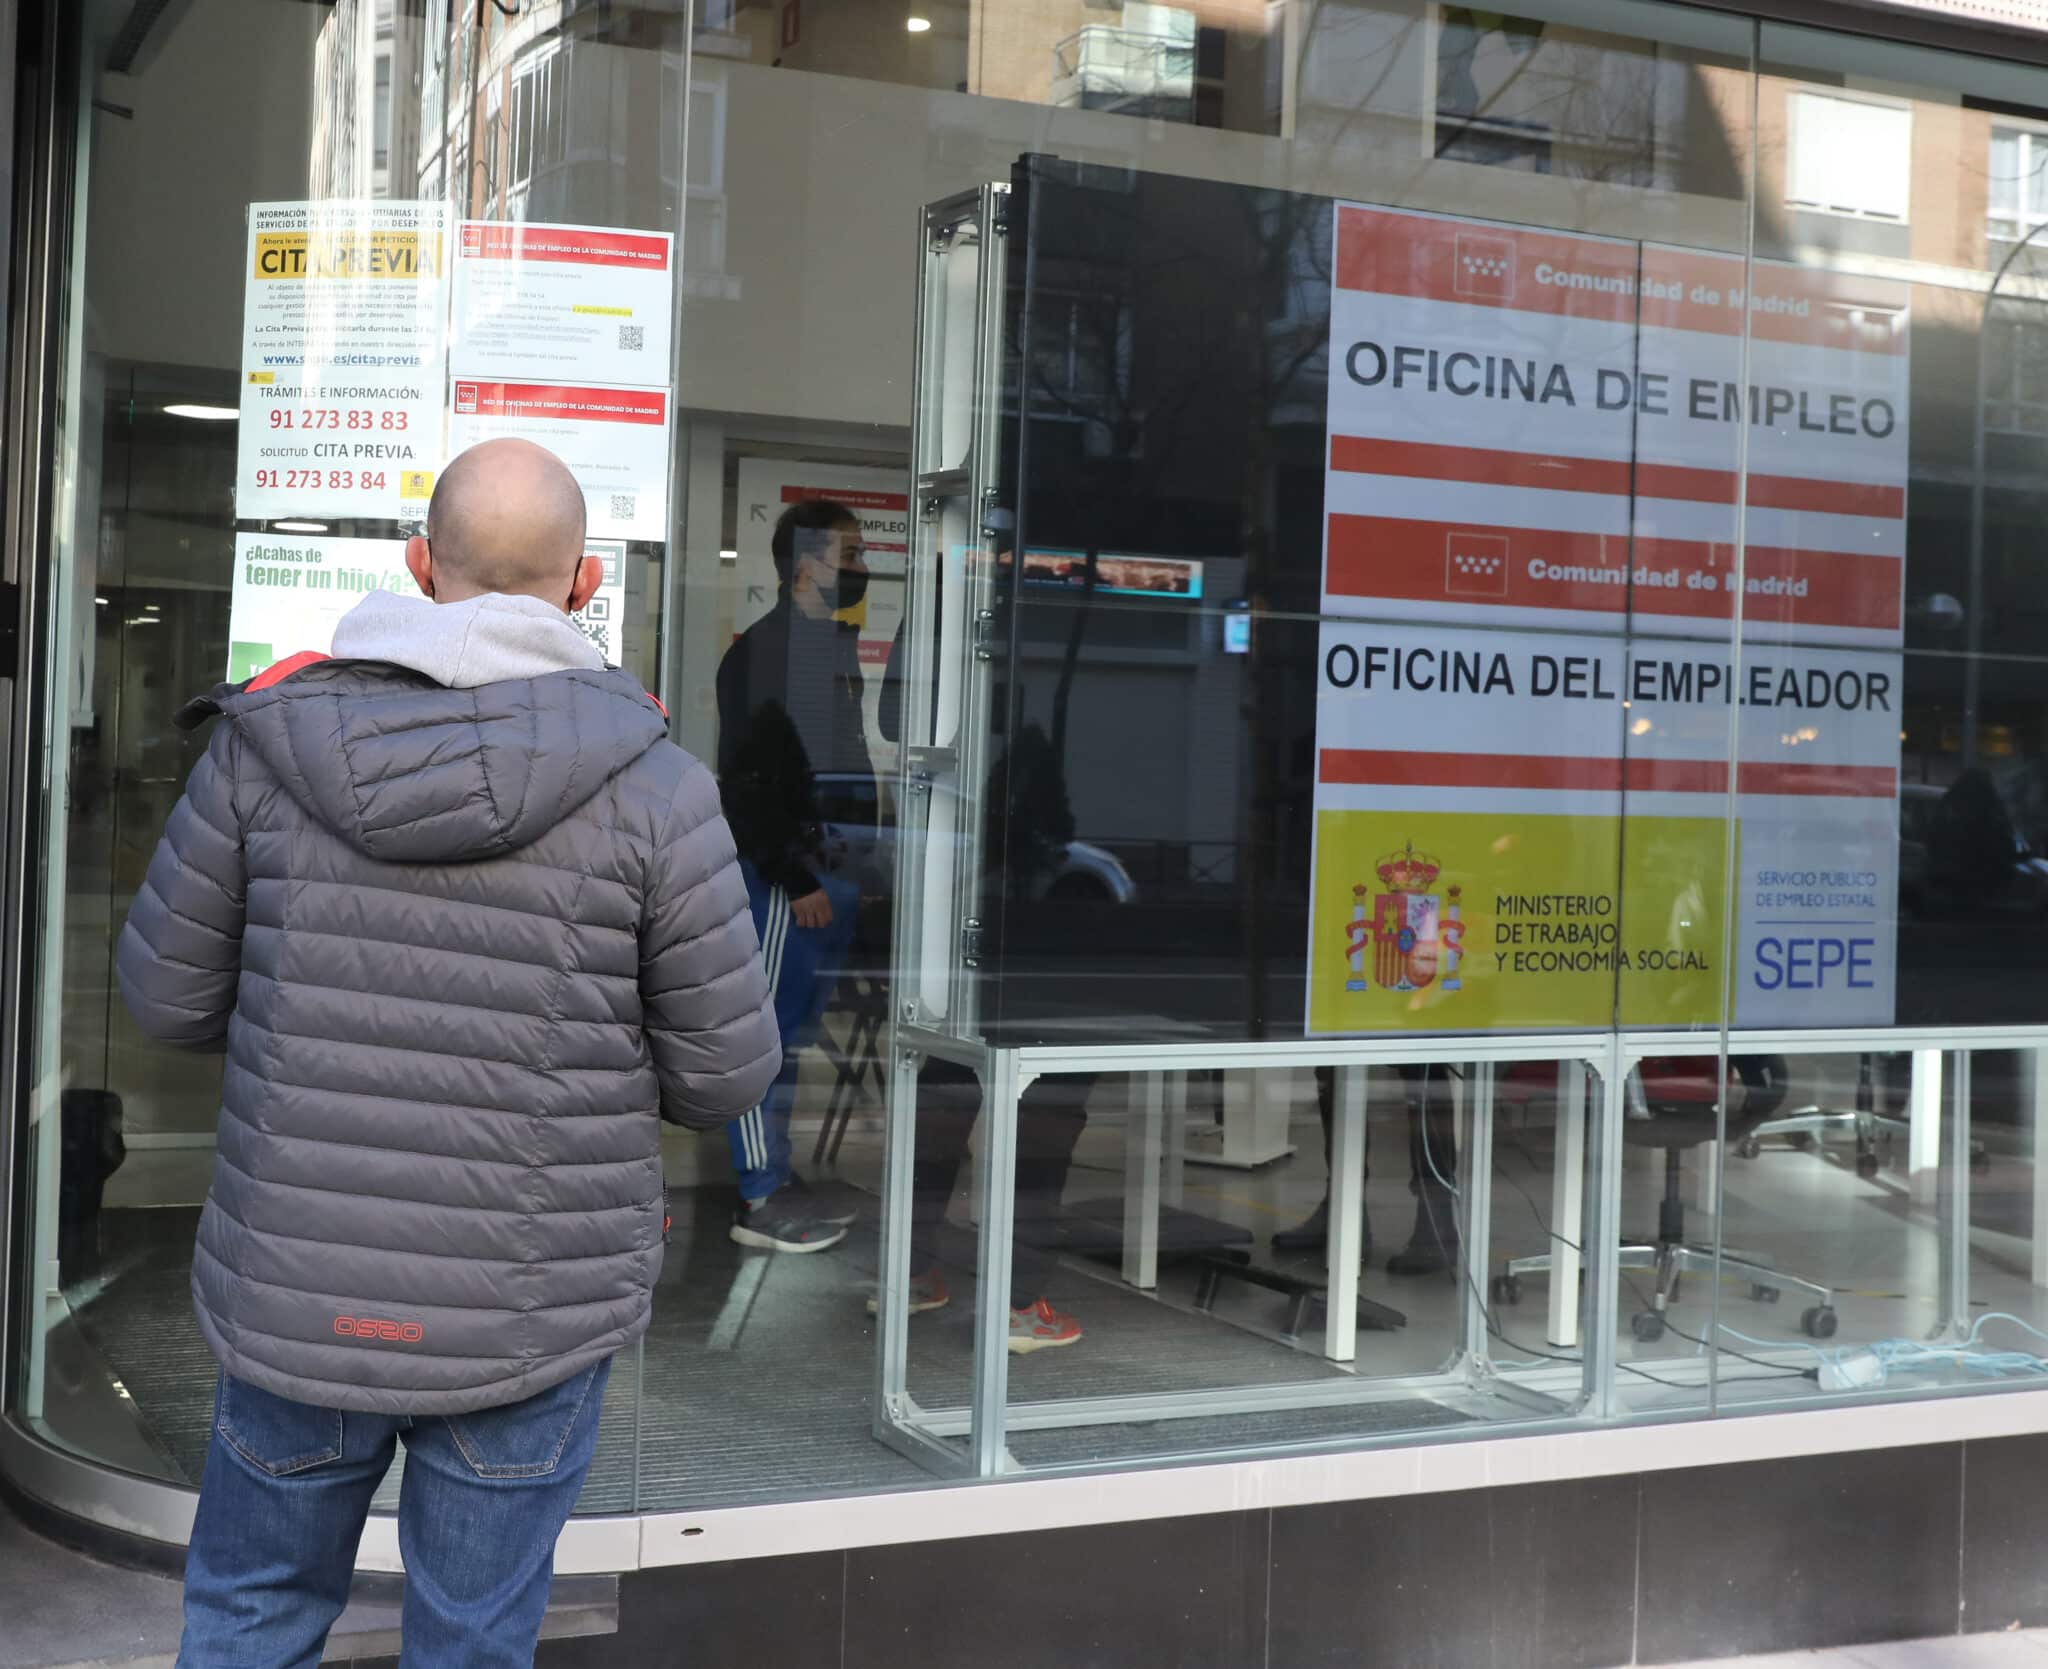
x,y
468,926
507,519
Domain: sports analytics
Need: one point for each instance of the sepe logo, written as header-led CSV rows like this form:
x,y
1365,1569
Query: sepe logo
x,y
465,399
1483,268
1476,565
1407,937
370,1327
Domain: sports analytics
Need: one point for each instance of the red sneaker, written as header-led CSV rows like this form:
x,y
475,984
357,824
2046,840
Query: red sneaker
x,y
1041,1327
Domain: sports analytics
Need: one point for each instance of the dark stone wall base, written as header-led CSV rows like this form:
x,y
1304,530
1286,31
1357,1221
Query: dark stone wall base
x,y
1713,1561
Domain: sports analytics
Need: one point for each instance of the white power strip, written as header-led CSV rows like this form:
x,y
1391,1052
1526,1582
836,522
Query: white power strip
x,y
1846,1373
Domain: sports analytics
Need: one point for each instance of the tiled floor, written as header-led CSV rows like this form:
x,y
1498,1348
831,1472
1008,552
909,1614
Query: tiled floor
x,y
2028,1650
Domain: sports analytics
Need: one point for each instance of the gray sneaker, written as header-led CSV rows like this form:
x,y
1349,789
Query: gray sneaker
x,y
782,1224
830,1201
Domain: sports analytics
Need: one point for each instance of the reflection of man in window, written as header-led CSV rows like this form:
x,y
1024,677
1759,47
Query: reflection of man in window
x,y
1026,791
789,709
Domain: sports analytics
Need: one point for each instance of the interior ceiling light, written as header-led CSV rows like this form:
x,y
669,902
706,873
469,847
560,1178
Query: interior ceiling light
x,y
300,527
203,414
917,25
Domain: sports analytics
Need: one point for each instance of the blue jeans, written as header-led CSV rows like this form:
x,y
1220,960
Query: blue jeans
x,y
287,1488
802,964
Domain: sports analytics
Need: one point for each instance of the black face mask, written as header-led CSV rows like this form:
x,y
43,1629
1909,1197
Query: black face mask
x,y
840,588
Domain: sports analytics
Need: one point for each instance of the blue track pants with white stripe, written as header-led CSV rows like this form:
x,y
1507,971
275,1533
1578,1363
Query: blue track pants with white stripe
x,y
803,963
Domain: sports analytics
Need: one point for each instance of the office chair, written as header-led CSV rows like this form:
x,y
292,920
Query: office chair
x,y
1671,1105
1874,1120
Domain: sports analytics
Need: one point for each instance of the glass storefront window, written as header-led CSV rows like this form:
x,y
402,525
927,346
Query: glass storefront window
x,y
1432,797
353,104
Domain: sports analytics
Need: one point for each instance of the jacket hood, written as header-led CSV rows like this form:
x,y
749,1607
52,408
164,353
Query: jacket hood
x,y
409,770
462,646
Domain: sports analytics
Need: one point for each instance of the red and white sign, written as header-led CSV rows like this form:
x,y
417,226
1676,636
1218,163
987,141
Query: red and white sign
x,y
587,246
540,303
1425,720
564,335
614,440
1481,720
1557,428
1603,440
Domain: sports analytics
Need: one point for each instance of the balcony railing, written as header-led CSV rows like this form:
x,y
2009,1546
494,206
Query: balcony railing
x,y
1105,68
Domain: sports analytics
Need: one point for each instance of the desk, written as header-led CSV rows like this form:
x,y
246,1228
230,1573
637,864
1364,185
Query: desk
x,y
1474,1089
1923,1117
2035,1066
1155,1168
1155,1158
1567,1205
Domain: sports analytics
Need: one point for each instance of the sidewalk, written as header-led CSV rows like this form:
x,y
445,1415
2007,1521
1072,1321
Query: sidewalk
x,y
2028,1650
61,1607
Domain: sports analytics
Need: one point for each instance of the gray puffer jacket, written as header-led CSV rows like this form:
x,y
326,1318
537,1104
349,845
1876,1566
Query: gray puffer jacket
x,y
463,945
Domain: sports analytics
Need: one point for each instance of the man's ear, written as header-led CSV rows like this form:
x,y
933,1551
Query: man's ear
x,y
419,562
589,576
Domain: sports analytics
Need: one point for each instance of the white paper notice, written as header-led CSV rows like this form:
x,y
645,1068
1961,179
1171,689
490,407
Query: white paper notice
x,y
603,619
581,304
342,359
614,440
562,335
290,593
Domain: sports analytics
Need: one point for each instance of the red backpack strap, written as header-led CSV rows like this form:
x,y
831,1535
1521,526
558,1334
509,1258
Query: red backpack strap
x,y
201,708
274,675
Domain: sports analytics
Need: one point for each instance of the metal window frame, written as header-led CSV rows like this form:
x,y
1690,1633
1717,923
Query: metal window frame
x,y
941,774
39,138
1551,1399
1008,1072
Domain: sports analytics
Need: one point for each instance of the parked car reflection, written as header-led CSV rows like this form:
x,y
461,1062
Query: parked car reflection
x,y
860,844
1960,853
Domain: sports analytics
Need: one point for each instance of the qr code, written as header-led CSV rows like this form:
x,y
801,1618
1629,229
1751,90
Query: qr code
x,y
598,632
632,339
625,506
